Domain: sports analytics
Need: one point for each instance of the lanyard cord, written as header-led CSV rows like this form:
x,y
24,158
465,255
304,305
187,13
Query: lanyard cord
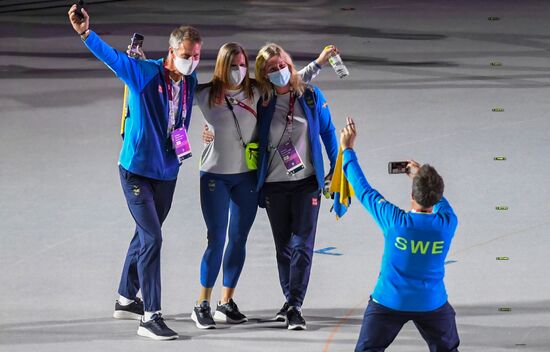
x,y
290,113
289,119
241,104
183,99
230,107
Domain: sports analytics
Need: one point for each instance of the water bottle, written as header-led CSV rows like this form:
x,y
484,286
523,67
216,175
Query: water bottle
x,y
135,43
338,65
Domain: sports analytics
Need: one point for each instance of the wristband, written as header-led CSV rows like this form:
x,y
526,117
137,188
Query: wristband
x,y
316,64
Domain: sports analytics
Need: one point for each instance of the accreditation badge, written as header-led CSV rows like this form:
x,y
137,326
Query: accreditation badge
x,y
181,145
291,158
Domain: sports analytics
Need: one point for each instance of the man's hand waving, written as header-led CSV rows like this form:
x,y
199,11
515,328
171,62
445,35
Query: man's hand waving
x,y
348,134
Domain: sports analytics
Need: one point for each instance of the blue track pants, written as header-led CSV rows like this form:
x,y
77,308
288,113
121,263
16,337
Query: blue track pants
x,y
226,199
149,202
381,325
293,209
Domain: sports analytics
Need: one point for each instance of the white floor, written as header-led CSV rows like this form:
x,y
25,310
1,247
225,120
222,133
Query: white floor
x,y
421,86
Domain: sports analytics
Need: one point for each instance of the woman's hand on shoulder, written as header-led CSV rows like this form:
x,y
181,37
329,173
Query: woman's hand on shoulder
x,y
207,135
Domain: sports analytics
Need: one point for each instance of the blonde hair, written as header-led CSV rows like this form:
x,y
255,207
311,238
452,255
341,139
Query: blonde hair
x,y
222,72
266,87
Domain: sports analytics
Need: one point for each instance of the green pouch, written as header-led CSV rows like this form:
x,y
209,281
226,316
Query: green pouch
x,y
252,152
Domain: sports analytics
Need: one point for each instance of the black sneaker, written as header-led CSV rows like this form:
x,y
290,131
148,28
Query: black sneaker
x,y
295,321
132,311
229,313
156,329
202,316
281,314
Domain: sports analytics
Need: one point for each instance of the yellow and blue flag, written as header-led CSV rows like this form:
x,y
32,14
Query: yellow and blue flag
x,y
341,188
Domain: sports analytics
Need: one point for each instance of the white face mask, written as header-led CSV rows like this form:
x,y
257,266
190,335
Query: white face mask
x,y
237,75
185,66
279,78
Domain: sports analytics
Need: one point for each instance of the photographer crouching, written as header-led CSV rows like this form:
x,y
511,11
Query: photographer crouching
x,y
410,285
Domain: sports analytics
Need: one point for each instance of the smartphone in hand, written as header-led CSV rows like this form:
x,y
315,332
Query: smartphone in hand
x,y
398,167
135,44
79,6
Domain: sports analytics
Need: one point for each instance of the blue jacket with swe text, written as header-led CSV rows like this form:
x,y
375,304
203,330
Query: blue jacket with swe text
x,y
146,148
415,247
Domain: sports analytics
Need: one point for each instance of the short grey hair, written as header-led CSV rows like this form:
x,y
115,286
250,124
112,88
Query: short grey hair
x,y
182,33
427,186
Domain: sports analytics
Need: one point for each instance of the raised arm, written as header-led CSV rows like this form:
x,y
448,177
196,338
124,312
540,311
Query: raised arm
x,y
311,71
385,214
127,69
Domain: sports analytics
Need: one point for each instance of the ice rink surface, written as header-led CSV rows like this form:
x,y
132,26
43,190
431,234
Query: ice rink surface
x,y
421,86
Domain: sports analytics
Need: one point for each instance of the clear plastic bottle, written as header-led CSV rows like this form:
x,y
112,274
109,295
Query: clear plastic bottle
x,y
338,65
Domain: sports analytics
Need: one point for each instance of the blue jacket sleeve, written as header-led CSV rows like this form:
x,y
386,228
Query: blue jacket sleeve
x,y
443,206
446,212
385,214
326,129
135,73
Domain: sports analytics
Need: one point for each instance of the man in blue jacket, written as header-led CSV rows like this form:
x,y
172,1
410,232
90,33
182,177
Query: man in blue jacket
x,y
159,111
410,285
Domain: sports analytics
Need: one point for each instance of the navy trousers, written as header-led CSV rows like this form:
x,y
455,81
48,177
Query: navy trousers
x,y
227,199
149,201
293,209
381,325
